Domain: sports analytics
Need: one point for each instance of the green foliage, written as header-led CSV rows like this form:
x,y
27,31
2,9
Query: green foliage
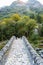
x,y
34,37
2,44
30,26
40,28
16,17
16,25
39,18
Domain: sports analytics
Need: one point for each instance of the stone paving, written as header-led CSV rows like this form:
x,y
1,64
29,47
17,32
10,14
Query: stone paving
x,y
18,54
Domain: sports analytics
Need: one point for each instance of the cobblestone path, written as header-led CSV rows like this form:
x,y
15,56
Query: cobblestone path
x,y
17,54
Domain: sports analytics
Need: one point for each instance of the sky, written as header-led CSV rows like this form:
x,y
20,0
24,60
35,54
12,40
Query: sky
x,y
8,2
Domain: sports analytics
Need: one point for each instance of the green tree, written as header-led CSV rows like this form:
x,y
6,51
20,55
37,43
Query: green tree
x,y
16,17
31,24
39,18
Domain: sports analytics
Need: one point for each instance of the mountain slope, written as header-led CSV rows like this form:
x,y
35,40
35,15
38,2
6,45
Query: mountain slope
x,y
35,5
21,8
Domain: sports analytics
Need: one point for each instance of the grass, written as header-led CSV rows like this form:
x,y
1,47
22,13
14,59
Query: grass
x,y
2,44
35,44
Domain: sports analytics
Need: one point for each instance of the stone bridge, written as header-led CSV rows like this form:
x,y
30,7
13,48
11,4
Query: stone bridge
x,y
18,51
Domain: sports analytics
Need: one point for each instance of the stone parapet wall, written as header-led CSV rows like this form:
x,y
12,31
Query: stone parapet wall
x,y
37,59
6,47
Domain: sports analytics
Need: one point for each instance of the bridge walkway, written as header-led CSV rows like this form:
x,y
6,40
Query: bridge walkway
x,y
18,54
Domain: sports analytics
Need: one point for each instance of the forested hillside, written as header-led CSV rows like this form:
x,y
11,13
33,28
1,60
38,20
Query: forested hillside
x,y
32,7
22,19
20,25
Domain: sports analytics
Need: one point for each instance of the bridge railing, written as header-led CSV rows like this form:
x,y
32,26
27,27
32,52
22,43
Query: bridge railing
x,y
6,47
37,59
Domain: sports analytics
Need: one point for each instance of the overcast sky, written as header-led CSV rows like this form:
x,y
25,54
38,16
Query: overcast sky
x,y
8,2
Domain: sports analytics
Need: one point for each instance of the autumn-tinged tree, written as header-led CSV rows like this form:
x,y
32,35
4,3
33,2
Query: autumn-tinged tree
x,y
17,26
16,17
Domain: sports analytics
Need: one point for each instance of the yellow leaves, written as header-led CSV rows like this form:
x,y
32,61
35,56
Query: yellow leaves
x,y
31,21
3,22
16,17
25,18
